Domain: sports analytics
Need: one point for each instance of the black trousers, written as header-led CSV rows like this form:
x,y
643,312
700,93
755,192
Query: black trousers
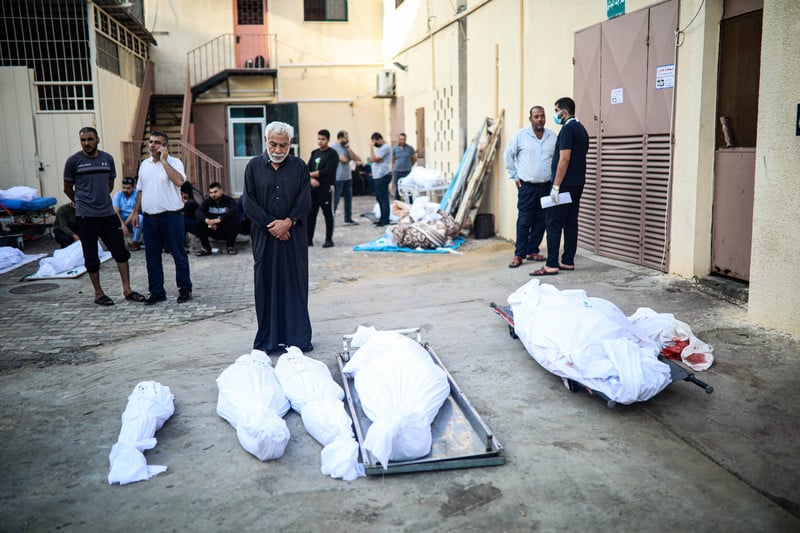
x,y
320,199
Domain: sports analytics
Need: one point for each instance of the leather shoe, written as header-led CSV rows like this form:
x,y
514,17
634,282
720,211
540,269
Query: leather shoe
x,y
327,244
155,298
184,295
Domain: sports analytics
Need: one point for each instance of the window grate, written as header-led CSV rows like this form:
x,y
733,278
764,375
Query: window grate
x,y
250,12
118,49
325,10
51,38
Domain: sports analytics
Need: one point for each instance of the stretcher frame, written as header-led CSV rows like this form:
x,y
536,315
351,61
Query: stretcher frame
x,y
461,439
16,225
677,372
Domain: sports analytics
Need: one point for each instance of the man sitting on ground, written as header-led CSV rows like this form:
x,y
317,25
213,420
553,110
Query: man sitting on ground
x,y
124,202
65,229
218,218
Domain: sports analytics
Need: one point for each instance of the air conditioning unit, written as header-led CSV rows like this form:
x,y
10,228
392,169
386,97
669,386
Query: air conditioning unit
x,y
386,85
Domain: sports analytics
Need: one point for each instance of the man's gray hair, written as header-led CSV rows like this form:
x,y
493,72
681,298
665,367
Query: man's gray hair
x,y
279,127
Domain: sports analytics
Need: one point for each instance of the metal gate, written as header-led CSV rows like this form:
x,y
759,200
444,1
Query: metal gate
x,y
624,82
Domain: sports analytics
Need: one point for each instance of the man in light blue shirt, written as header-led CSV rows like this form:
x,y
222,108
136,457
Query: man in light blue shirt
x,y
528,158
124,202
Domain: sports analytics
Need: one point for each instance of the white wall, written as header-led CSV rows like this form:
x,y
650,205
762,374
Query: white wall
x,y
18,157
180,26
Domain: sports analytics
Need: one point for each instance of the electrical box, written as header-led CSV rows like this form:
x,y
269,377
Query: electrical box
x,y
386,84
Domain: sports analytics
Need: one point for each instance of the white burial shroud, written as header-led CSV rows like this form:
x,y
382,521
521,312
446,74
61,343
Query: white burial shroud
x,y
588,340
252,401
401,390
314,394
149,406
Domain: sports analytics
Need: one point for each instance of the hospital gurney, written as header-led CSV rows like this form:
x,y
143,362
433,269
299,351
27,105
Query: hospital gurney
x,y
677,372
460,437
20,219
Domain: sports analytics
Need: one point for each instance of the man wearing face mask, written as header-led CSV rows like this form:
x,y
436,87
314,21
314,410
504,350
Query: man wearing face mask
x,y
277,200
569,174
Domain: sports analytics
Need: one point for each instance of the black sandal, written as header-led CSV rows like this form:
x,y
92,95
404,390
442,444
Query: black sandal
x,y
202,253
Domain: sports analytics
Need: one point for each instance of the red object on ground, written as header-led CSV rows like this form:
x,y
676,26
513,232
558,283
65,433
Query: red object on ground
x,y
674,349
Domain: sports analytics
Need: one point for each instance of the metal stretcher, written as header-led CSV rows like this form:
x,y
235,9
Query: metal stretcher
x,y
677,372
460,437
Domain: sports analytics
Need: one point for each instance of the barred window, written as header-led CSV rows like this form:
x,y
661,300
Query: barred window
x,y
107,54
118,49
325,10
250,12
51,38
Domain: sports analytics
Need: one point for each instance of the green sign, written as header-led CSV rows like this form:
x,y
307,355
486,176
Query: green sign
x,y
615,8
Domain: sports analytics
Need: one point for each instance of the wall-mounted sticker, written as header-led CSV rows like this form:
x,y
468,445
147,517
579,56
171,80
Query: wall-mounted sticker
x,y
665,76
616,96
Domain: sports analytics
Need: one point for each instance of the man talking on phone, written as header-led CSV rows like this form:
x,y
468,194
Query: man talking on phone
x,y
159,199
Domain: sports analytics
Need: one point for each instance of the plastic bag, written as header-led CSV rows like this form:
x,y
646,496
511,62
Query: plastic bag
x,y
675,338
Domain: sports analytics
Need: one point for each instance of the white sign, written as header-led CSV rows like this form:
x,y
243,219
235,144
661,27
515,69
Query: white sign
x,y
616,96
665,76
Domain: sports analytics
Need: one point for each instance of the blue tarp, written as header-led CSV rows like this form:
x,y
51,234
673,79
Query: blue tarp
x,y
384,244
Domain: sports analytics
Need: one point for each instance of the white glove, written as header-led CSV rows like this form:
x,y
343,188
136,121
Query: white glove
x,y
554,194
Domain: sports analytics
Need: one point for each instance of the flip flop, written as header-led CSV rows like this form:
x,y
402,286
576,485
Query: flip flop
x,y
543,272
135,297
562,266
535,257
104,300
202,253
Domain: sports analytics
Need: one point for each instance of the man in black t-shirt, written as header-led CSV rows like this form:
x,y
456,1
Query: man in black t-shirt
x,y
569,175
322,169
218,218
88,181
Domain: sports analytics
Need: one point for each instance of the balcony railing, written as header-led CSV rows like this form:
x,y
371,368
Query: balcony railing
x,y
201,170
232,52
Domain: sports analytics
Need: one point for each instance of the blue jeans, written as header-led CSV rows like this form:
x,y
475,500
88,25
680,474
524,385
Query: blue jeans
x,y
136,233
346,188
160,231
382,195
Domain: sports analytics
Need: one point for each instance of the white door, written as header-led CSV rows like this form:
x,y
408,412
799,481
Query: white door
x,y
246,125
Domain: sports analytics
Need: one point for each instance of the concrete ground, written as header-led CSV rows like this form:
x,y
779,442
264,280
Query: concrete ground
x,y
721,462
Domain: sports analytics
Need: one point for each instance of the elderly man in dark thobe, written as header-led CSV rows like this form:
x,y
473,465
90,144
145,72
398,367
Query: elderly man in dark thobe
x,y
277,199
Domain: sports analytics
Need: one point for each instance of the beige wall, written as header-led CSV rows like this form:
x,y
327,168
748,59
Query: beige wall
x,y
116,105
693,158
330,70
774,274
180,26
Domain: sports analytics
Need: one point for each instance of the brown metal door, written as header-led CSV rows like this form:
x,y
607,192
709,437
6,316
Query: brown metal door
x,y
734,171
587,103
623,80
625,205
732,225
